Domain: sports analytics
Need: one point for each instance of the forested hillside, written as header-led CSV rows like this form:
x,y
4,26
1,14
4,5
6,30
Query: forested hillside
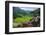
x,y
17,12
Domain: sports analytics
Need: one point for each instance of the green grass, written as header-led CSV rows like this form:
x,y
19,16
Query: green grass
x,y
23,19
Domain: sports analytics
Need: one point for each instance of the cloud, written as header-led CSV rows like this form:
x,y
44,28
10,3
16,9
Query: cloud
x,y
28,8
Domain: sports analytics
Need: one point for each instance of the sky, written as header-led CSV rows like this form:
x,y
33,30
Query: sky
x,y
28,8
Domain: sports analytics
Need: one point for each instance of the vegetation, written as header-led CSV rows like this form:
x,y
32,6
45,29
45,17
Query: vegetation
x,y
21,16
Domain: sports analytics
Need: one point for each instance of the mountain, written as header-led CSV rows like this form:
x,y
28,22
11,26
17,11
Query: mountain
x,y
17,12
36,12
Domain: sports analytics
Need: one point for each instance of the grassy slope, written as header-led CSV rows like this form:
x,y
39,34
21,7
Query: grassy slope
x,y
23,19
20,20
